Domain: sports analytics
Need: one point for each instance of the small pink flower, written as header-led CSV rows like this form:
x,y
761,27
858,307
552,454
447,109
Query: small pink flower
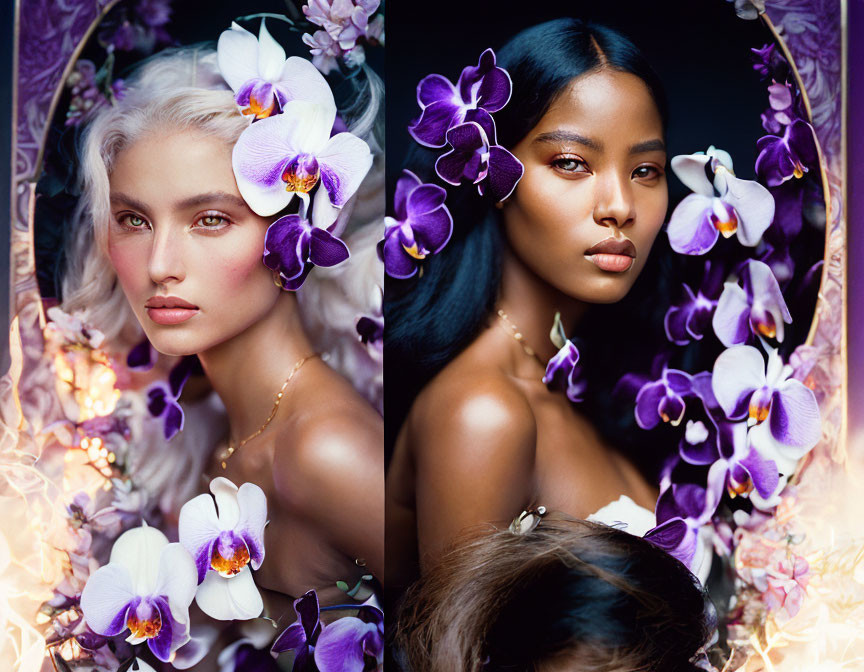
x,y
787,586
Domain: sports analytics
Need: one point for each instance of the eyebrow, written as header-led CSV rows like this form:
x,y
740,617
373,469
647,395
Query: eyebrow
x,y
192,201
570,136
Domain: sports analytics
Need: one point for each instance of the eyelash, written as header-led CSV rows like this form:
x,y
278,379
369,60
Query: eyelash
x,y
123,221
557,163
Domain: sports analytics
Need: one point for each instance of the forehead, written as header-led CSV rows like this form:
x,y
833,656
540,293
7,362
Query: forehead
x,y
615,108
167,165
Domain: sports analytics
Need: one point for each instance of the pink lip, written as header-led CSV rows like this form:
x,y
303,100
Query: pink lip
x,y
171,315
614,263
613,255
168,302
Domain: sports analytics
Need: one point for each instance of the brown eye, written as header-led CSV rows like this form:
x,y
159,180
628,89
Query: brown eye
x,y
211,220
646,172
570,164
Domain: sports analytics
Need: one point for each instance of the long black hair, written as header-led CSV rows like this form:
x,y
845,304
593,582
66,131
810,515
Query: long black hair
x,y
431,318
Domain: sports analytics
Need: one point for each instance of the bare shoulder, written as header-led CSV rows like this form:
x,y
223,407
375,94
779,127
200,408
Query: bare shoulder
x,y
332,443
468,418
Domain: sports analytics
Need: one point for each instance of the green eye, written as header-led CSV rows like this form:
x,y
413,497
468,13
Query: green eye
x,y
136,222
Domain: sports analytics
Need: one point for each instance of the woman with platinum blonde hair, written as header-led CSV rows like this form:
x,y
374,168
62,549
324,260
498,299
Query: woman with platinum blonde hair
x,y
169,237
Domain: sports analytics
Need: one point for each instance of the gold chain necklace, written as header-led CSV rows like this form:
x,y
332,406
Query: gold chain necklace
x,y
513,331
231,449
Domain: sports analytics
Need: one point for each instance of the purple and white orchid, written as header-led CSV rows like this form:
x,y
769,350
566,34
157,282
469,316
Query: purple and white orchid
x,y
757,308
352,643
683,511
481,89
291,153
163,399
563,370
226,539
292,247
723,204
663,399
422,226
476,158
146,587
688,319
262,79
793,155
782,412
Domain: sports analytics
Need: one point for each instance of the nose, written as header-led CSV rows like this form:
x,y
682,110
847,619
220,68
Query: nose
x,y
166,264
614,204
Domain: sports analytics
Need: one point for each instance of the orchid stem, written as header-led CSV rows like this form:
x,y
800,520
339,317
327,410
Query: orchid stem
x,y
337,607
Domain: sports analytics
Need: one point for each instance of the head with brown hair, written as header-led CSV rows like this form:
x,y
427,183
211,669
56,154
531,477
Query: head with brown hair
x,y
568,595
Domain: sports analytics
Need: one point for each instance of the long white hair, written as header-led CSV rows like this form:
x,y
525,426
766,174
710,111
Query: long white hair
x,y
179,89
182,88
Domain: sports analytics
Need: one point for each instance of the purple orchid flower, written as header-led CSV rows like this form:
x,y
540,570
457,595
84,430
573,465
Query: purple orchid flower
x,y
782,412
793,155
262,79
757,308
481,89
722,205
302,635
163,400
146,587
142,356
289,154
563,372
682,510
735,465
477,159
422,226
763,60
663,399
225,536
344,22
350,644
689,318
292,246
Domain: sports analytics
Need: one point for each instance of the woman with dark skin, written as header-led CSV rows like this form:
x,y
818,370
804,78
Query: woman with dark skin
x,y
486,438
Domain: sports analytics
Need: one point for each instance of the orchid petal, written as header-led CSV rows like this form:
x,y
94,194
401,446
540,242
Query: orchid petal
x,y
253,518
430,130
766,292
301,80
505,172
344,162
237,55
231,599
690,229
342,645
738,371
139,550
178,580
198,528
106,599
690,169
730,320
754,205
225,493
763,473
405,185
435,87
795,420
271,56
324,213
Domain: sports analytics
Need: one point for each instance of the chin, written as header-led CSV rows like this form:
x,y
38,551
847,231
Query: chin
x,y
605,290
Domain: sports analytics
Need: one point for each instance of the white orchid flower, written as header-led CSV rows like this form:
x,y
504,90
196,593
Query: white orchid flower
x,y
289,154
146,587
262,79
226,539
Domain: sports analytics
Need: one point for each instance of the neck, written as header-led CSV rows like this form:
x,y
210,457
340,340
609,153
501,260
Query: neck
x,y
248,370
531,303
